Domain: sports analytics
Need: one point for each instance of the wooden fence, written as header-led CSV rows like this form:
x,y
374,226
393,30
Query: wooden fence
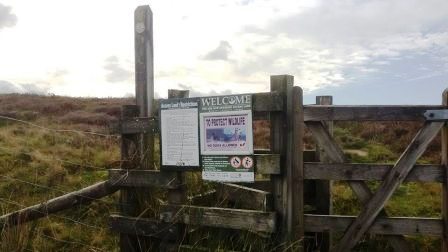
x,y
276,205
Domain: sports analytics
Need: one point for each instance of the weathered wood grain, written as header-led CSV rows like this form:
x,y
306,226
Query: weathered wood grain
x,y
366,113
322,199
335,155
143,227
260,184
257,221
371,172
393,180
134,125
245,197
267,102
294,165
143,178
385,226
280,84
67,201
130,158
267,164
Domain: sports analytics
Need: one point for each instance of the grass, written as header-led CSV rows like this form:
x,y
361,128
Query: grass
x,y
36,165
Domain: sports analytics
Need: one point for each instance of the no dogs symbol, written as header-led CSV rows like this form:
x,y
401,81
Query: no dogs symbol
x,y
248,162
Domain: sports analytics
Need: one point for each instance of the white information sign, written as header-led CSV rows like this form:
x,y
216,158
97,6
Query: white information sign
x,y
179,132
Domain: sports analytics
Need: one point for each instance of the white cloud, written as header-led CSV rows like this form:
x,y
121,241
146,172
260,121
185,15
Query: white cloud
x,y
234,45
219,53
7,18
115,71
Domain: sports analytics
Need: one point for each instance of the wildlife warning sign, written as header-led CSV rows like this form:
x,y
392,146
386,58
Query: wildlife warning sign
x,y
226,138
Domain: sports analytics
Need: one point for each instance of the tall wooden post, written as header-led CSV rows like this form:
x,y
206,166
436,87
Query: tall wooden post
x,y
287,131
133,201
445,182
323,187
144,76
294,167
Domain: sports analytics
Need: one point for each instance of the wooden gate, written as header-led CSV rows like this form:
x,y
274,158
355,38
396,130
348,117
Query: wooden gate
x,y
373,218
268,206
276,205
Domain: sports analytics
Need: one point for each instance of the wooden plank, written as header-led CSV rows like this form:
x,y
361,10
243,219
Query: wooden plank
x,y
366,113
335,155
135,125
294,166
385,226
244,197
444,163
267,164
322,199
371,172
142,227
70,200
393,180
260,184
268,102
143,178
252,220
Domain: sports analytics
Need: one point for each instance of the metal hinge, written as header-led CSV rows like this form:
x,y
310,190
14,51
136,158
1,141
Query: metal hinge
x,y
436,115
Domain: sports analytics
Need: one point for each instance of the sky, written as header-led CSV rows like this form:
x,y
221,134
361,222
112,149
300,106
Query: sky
x,y
361,52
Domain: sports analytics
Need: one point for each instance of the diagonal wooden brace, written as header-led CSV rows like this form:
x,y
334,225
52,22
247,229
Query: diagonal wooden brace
x,y
336,155
392,181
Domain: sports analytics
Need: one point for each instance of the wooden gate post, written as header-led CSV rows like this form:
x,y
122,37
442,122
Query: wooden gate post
x,y
445,180
177,196
323,187
287,131
144,77
130,156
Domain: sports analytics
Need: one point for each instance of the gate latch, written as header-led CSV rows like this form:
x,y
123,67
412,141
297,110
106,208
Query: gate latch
x,y
436,115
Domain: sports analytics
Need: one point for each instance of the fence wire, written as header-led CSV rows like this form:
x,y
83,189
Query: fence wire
x,y
28,123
